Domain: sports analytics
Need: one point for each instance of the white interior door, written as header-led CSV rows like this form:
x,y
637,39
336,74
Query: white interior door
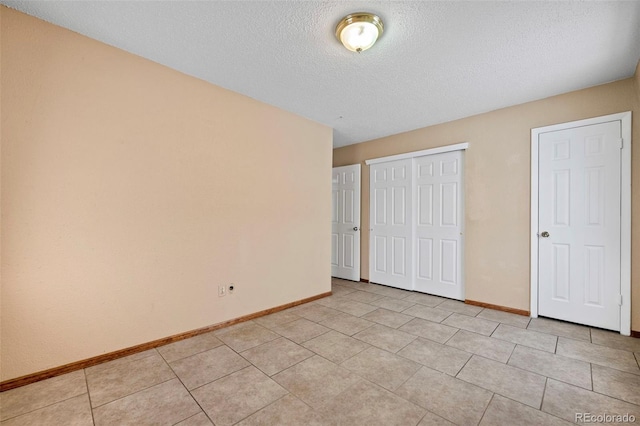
x,y
345,223
438,243
579,233
391,224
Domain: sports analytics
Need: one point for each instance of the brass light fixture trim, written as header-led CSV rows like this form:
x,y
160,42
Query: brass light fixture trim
x,y
361,37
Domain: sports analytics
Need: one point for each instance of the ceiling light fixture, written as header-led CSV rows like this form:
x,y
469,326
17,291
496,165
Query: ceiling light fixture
x,y
359,31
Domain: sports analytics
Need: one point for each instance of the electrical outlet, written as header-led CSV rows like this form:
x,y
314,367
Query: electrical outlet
x,y
222,290
231,288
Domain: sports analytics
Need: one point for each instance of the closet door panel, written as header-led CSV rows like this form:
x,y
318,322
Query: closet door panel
x,y
391,230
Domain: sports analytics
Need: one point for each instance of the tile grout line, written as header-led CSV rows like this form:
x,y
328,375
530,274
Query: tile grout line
x,y
262,408
86,383
544,391
493,394
446,341
221,377
43,407
120,362
184,420
423,416
596,392
462,368
138,391
284,369
511,354
413,340
193,354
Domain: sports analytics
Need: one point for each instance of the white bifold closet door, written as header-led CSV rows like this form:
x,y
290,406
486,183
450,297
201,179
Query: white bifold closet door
x,y
438,232
416,224
391,223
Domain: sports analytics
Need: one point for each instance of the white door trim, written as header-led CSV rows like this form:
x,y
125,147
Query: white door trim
x,y
625,209
431,151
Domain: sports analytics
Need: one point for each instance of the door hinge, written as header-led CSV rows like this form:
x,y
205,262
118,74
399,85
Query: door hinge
x,y
621,142
619,300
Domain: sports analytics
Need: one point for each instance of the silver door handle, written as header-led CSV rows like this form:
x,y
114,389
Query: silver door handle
x,y
544,234
355,228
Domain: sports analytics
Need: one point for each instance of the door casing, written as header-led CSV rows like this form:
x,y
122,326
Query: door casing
x,y
625,208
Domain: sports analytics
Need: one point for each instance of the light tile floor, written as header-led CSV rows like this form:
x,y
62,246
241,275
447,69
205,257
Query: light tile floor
x,y
368,355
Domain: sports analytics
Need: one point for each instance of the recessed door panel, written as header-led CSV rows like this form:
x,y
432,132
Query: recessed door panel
x,y
561,197
399,172
349,200
425,258
449,261
349,177
594,196
594,275
335,178
561,149
399,209
593,145
380,254
380,206
449,204
335,241
561,271
335,206
425,205
425,170
399,255
449,167
347,250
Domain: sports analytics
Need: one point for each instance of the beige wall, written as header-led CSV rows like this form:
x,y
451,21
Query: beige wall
x,y
637,83
497,197
131,191
635,207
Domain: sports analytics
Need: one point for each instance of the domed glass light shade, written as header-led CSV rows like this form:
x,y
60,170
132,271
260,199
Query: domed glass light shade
x,y
359,31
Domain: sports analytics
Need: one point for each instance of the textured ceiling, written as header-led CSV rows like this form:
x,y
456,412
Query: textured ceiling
x,y
436,61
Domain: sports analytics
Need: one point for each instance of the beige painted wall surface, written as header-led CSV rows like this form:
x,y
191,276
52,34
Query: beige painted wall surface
x,y
497,185
637,82
131,191
635,207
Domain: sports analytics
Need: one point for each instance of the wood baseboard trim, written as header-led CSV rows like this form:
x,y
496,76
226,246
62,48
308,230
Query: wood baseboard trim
x,y
635,334
364,280
498,307
90,362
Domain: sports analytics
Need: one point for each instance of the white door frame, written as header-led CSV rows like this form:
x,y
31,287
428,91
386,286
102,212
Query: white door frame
x,y
410,155
625,211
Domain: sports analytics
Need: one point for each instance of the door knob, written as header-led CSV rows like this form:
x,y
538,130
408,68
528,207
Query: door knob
x,y
544,234
355,228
